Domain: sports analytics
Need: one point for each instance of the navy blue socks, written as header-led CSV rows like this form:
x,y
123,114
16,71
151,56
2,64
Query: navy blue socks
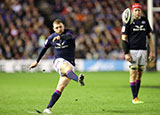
x,y
133,89
70,74
138,83
135,86
54,98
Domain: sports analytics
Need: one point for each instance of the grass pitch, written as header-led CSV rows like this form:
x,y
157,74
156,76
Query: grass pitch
x,y
105,93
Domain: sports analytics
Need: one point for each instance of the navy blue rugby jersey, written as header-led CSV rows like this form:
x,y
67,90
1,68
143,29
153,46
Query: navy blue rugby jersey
x,y
137,33
63,48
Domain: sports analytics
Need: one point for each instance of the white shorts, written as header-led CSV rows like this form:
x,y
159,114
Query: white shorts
x,y
60,61
139,57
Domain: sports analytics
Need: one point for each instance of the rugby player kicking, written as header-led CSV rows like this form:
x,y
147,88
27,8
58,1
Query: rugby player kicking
x,y
63,42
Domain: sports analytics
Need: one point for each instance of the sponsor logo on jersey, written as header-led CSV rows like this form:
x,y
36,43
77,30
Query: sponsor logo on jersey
x,y
60,45
139,28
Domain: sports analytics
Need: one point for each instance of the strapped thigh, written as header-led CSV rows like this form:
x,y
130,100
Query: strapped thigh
x,y
141,67
133,67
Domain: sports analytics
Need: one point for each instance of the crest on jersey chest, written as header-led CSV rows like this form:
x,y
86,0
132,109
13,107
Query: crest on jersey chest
x,y
143,22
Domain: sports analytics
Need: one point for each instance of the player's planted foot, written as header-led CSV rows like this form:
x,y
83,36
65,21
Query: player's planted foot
x,y
81,79
47,110
136,101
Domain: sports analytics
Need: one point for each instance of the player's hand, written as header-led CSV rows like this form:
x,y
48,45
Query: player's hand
x,y
128,57
56,38
33,65
151,56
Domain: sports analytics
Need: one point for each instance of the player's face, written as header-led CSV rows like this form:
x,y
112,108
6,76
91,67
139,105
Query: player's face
x,y
58,28
137,13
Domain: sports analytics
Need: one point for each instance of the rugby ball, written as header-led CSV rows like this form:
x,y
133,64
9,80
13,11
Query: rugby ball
x,y
127,16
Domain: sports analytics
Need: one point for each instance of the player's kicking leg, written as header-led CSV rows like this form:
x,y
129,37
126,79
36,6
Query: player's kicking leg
x,y
63,82
67,69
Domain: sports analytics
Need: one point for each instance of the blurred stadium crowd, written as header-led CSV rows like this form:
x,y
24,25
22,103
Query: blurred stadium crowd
x,y
96,23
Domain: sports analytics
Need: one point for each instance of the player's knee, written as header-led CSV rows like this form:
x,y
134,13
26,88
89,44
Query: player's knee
x,y
65,67
133,73
61,87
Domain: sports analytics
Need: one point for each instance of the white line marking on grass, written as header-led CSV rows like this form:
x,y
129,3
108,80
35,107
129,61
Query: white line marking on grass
x,y
31,112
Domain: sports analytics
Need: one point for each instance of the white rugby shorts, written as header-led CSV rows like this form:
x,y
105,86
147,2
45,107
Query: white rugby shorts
x,y
60,61
139,57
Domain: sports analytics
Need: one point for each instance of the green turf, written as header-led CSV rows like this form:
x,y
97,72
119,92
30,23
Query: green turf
x,y
105,93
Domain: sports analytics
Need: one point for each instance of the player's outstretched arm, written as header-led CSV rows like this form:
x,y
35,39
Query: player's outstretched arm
x,y
33,65
44,49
